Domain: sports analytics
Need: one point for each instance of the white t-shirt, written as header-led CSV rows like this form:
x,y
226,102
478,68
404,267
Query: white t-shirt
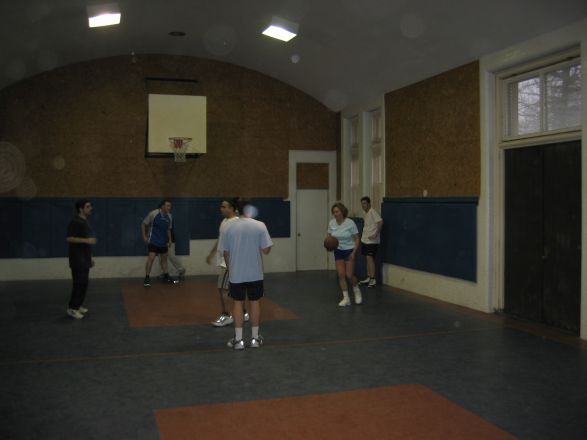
x,y
244,241
224,225
371,218
344,233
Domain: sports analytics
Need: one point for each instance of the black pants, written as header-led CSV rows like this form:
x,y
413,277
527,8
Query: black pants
x,y
80,287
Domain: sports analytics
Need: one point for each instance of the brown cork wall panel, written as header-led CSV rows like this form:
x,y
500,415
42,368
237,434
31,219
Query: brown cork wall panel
x,y
433,136
82,129
312,176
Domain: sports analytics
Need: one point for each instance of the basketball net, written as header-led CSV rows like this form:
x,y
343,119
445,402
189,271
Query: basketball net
x,y
179,146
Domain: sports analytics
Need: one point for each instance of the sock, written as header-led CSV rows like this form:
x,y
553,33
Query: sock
x,y
356,288
255,332
238,333
345,293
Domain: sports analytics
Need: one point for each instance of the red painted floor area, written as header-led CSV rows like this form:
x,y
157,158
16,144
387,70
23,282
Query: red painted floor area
x,y
401,412
188,303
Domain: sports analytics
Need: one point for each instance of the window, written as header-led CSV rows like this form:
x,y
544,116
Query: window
x,y
544,101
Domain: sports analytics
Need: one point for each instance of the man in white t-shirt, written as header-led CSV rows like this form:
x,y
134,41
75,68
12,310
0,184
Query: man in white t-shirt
x,y
242,245
370,239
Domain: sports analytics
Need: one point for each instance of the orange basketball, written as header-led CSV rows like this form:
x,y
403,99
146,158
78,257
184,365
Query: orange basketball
x,y
330,243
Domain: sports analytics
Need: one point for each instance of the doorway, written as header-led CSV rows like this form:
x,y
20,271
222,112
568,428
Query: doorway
x,y
542,276
312,224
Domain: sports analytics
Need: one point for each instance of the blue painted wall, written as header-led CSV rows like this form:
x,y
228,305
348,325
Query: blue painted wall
x,y
37,228
436,235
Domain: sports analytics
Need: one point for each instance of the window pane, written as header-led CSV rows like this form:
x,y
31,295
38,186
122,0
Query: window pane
x,y
563,98
527,96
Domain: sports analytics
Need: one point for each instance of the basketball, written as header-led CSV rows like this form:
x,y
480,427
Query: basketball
x,y
330,243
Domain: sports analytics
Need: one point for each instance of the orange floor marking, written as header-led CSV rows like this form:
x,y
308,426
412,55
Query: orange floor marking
x,y
187,303
402,412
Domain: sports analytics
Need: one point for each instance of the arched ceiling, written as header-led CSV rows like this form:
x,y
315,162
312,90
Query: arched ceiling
x,y
347,50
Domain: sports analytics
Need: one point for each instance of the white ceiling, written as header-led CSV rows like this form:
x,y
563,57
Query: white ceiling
x,y
349,50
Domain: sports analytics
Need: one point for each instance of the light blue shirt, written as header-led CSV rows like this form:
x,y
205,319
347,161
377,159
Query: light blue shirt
x,y
344,233
244,240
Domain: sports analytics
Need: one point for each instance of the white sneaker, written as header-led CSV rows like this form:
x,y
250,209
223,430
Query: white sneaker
x,y
246,317
75,313
256,342
346,301
223,320
365,281
83,309
358,296
372,282
236,345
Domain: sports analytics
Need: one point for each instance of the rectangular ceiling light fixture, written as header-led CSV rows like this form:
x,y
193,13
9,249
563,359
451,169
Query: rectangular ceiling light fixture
x,y
281,29
103,15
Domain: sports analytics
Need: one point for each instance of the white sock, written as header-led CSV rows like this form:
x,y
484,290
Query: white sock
x,y
238,333
255,332
356,288
345,294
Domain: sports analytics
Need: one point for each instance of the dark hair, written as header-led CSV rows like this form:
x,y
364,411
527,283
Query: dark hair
x,y
163,202
366,199
343,209
233,202
80,205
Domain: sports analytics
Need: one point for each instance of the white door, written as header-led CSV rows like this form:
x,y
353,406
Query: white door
x,y
312,222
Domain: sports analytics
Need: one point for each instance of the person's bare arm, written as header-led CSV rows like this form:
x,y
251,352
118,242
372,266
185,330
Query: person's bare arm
x,y
379,225
212,253
144,233
226,257
266,250
357,244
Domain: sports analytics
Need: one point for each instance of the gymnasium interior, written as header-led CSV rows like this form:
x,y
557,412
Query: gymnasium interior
x,y
462,122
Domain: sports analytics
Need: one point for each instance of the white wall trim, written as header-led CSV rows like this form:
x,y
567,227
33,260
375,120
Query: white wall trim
x,y
492,157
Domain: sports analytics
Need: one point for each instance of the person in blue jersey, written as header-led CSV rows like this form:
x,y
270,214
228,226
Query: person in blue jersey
x,y
156,231
346,232
81,240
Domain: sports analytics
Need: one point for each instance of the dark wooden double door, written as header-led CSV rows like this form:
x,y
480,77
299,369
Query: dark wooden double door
x,y
543,234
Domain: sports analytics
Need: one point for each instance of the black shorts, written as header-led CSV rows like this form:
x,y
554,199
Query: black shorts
x,y
252,290
369,249
157,249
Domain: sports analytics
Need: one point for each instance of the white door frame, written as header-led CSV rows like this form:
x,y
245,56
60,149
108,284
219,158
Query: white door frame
x,y
492,156
309,156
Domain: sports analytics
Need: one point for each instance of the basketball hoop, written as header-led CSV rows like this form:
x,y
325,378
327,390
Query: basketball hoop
x,y
179,146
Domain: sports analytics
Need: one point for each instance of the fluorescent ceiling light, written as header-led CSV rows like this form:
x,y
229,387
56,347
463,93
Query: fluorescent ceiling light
x,y
103,15
281,29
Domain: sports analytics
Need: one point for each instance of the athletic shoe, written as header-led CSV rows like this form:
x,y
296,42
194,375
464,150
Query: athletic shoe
x,y
75,313
372,282
147,282
256,342
365,281
346,301
223,320
358,296
246,317
236,345
83,310
170,280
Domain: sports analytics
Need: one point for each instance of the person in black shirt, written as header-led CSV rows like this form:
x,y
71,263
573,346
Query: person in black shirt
x,y
79,237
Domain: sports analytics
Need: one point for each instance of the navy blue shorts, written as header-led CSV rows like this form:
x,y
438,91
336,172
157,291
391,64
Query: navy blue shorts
x,y
251,290
157,249
344,255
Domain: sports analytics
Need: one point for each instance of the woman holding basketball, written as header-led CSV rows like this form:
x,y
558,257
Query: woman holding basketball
x,y
346,232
